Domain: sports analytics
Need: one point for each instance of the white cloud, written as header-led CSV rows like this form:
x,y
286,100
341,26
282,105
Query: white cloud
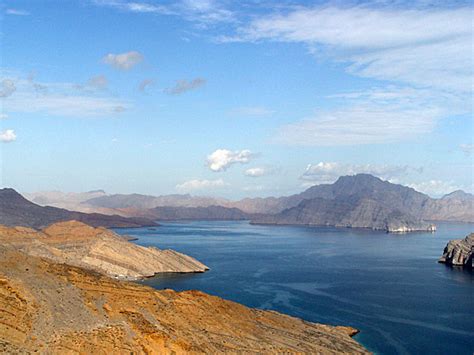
x,y
255,111
7,87
192,185
123,61
255,172
328,172
467,149
7,136
183,86
3,116
435,188
17,12
221,159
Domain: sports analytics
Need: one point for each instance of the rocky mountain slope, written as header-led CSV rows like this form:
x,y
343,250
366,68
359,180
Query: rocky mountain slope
x,y
54,308
15,210
459,252
353,212
97,249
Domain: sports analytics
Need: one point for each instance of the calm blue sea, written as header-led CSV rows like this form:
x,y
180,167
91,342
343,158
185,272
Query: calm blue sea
x,y
388,286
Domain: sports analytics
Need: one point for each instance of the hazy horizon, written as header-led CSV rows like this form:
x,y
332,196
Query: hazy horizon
x,y
235,100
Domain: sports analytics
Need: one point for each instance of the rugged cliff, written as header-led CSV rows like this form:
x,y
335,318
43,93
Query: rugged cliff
x,y
459,252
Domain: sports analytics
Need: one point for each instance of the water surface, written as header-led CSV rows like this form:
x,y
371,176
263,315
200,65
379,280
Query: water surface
x,y
389,286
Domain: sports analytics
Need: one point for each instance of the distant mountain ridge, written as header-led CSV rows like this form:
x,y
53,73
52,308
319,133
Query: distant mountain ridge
x,y
374,203
15,210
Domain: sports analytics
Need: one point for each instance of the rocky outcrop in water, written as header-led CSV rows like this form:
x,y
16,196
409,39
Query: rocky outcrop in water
x,y
97,249
459,252
52,308
15,210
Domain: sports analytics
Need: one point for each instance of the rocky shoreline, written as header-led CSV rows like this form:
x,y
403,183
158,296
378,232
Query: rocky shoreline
x,y
50,306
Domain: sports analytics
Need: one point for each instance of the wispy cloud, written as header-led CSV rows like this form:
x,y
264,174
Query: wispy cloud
x,y
467,149
7,87
201,12
359,124
99,82
144,84
424,52
381,42
7,136
328,172
252,111
183,86
222,159
123,61
16,12
56,98
193,185
256,172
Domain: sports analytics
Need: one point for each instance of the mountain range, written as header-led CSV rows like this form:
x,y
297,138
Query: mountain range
x,y
362,201
15,210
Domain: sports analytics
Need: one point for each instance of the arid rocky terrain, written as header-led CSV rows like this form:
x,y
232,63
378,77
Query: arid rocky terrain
x,y
55,308
97,249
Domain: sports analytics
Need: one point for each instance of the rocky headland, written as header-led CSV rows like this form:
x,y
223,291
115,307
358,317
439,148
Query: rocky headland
x,y
459,252
97,249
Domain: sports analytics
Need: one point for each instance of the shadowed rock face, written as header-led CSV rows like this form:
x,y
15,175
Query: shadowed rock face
x,y
15,210
352,212
97,249
57,309
459,252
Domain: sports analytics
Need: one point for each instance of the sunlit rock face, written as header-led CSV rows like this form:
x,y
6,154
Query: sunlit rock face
x,y
459,252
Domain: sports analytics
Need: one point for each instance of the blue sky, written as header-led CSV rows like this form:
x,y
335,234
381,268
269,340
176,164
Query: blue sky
x,y
234,99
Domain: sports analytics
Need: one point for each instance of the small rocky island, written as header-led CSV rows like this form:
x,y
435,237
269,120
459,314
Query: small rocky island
x,y
459,252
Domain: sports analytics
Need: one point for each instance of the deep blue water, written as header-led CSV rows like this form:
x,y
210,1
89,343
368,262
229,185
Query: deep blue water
x,y
389,286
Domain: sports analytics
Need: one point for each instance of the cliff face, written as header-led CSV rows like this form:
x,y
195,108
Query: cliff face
x,y
97,249
459,252
15,210
56,309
